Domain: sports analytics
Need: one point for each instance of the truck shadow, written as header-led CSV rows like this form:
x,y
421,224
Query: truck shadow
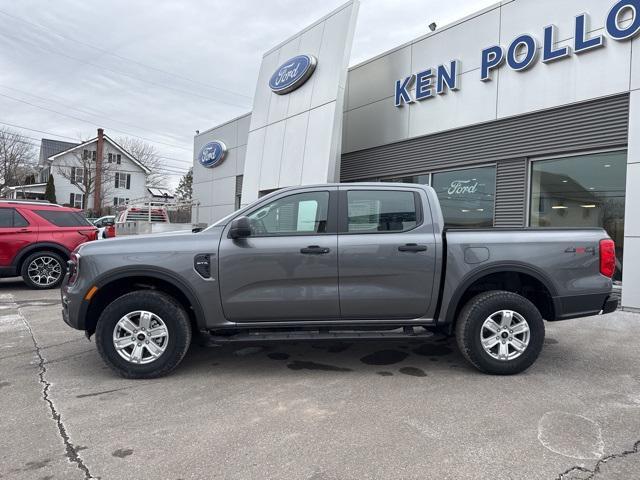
x,y
385,358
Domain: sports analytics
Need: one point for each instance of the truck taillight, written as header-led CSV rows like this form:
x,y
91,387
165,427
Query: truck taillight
x,y
607,257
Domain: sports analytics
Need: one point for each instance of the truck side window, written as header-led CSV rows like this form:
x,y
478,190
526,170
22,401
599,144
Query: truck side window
x,y
299,214
373,211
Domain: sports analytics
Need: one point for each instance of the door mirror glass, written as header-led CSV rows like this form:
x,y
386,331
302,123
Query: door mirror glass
x,y
240,228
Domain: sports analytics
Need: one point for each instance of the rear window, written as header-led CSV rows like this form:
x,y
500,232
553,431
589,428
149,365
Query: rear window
x,y
373,211
61,218
10,218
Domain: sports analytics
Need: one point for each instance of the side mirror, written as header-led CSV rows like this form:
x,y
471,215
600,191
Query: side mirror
x,y
240,228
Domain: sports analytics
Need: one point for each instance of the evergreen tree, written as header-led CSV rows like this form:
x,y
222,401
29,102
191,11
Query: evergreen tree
x,y
50,190
184,191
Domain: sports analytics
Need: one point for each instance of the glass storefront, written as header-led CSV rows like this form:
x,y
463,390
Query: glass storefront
x,y
581,191
467,197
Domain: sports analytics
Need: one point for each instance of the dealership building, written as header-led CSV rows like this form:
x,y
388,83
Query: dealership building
x,y
525,114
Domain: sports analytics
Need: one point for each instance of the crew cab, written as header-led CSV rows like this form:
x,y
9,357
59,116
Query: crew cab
x,y
37,238
356,261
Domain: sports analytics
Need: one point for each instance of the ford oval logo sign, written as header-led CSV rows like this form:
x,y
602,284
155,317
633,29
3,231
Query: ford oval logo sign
x,y
212,154
292,74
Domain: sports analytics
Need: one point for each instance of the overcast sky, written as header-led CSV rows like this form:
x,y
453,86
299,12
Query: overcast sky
x,y
163,69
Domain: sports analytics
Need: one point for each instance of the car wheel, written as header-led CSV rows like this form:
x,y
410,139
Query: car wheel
x,y
143,334
500,333
43,270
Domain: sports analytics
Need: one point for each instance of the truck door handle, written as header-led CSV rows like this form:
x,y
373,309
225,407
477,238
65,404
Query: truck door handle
x,y
412,247
314,250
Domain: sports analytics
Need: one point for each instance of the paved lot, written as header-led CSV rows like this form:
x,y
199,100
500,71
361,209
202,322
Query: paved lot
x,y
385,410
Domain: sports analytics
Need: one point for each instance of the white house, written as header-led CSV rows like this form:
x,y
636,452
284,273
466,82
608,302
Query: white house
x,y
123,178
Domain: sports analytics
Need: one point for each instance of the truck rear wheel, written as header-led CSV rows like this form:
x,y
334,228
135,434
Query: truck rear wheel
x,y
143,334
500,333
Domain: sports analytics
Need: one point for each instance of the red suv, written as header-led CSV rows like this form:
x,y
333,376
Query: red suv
x,y
36,240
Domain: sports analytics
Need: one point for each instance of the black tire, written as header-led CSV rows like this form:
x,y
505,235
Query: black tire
x,y
162,305
24,269
469,325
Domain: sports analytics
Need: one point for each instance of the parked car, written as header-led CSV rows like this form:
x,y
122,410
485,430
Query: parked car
x,y
37,238
347,261
106,226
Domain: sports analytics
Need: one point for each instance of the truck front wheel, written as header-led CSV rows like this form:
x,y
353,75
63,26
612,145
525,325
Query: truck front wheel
x,y
500,333
143,334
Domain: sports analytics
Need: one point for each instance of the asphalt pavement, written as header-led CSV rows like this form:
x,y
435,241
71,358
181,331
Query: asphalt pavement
x,y
316,411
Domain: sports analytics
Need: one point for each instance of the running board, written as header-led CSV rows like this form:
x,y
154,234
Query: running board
x,y
317,335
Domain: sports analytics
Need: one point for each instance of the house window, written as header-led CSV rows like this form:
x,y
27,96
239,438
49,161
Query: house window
x,y
581,191
76,200
85,154
77,175
117,201
118,159
110,158
123,180
93,155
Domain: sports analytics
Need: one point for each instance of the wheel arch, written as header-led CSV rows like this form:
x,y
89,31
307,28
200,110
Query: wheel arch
x,y
512,277
129,279
40,247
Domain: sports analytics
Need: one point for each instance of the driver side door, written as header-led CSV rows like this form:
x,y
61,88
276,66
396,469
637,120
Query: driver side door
x,y
287,269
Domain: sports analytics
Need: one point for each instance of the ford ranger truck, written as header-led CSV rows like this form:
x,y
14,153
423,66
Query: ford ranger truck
x,y
344,261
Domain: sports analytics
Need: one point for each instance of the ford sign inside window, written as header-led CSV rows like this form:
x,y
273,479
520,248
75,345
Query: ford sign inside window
x,y
292,74
212,154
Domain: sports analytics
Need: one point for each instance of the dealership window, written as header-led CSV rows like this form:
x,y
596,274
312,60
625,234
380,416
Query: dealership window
x,y
581,191
303,213
238,193
419,179
374,211
467,196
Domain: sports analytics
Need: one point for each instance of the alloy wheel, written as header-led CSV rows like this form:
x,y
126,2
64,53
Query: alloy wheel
x,y
44,271
140,337
505,335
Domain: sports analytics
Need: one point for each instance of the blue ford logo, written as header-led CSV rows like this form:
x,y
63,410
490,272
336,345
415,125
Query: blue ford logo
x,y
212,154
292,74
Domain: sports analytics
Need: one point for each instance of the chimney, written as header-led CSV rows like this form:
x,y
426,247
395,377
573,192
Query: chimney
x,y
97,192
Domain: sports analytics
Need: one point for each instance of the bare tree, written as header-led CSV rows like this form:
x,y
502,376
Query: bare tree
x,y
17,157
148,156
80,169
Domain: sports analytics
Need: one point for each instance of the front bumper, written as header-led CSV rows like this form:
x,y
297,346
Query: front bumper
x,y
73,307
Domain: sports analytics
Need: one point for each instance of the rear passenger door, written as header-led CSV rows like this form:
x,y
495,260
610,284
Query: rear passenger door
x,y
386,253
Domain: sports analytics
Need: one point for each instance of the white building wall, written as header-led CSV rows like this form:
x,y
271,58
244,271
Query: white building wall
x,y
214,188
295,139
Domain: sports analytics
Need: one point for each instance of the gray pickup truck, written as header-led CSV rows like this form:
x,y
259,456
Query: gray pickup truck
x,y
344,261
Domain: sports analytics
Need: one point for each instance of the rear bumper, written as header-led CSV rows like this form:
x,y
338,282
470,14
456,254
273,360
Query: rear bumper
x,y
578,306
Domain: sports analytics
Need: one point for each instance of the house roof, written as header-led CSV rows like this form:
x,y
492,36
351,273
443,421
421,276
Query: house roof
x,y
75,146
49,147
